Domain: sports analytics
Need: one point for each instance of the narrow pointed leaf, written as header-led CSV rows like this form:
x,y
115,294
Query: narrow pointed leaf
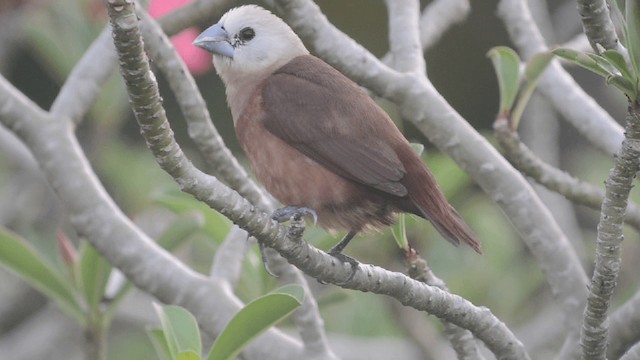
x,y
618,61
20,257
623,84
180,329
583,60
399,232
506,64
255,318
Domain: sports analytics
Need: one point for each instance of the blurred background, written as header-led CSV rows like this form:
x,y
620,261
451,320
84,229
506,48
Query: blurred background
x,y
41,41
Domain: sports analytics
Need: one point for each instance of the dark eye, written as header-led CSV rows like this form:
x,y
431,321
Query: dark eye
x,y
246,34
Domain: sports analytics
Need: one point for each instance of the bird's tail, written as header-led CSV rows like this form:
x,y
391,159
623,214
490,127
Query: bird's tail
x,y
426,195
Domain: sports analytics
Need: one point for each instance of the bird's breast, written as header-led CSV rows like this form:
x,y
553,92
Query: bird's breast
x,y
297,180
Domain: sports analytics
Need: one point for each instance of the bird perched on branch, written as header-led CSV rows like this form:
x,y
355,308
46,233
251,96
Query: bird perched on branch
x,y
318,143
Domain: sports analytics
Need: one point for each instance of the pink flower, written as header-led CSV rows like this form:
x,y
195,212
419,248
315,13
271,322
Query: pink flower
x,y
198,61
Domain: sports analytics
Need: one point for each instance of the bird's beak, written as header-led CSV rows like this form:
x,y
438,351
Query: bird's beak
x,y
216,41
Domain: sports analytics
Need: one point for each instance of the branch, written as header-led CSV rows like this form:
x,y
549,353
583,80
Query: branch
x,y
462,340
623,327
85,82
445,128
552,178
598,26
404,40
632,354
95,216
617,188
212,147
438,17
404,37
147,107
578,108
193,107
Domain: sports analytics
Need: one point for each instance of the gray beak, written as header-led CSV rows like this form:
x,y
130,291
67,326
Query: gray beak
x,y
216,41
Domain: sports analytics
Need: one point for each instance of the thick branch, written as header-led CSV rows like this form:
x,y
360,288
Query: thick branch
x,y
404,36
96,217
617,189
554,179
597,25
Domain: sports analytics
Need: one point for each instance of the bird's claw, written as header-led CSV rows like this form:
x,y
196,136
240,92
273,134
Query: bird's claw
x,y
346,259
287,213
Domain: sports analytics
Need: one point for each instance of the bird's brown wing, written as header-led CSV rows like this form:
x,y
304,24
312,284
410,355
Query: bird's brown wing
x,y
327,117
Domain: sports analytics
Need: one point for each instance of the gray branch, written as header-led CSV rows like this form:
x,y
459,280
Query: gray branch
x,y
95,216
598,26
617,188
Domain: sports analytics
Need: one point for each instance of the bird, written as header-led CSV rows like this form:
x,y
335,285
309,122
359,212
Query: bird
x,y
316,141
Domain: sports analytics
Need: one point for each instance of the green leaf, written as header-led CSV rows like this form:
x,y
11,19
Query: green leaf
x,y
159,342
188,355
534,69
399,232
583,60
180,330
18,256
618,61
506,64
94,274
632,8
607,67
255,318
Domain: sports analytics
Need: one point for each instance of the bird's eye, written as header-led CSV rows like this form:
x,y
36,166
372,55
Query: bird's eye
x,y
246,34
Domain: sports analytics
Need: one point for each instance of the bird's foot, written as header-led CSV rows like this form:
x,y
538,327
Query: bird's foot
x,y
286,213
336,253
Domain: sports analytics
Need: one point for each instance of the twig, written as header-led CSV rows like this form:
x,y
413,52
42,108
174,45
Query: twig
x,y
462,340
554,179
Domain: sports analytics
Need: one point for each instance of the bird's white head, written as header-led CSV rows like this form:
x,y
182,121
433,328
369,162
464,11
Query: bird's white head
x,y
250,41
